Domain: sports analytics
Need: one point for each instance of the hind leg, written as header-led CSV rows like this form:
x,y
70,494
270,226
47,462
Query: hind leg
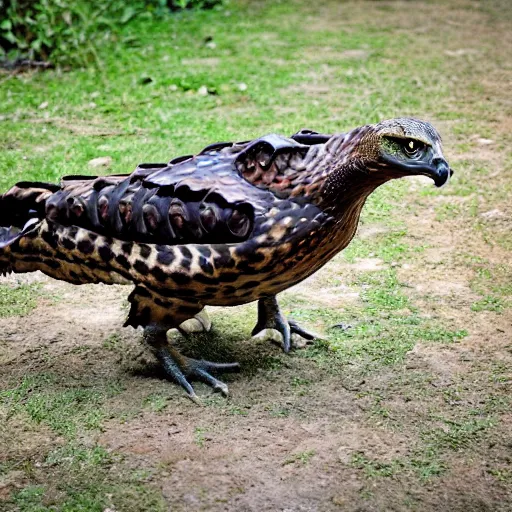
x,y
180,368
157,315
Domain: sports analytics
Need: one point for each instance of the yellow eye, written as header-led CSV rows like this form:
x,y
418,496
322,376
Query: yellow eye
x,y
413,146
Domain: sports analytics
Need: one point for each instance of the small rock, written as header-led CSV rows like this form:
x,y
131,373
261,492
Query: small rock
x,y
203,91
343,326
299,342
492,214
460,52
173,87
192,325
355,54
43,105
485,142
269,335
211,45
101,161
242,87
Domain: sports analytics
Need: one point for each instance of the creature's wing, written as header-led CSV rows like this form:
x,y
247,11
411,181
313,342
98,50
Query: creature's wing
x,y
9,235
310,138
212,197
284,166
20,209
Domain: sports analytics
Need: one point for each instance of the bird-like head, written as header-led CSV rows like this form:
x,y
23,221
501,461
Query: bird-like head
x,y
404,147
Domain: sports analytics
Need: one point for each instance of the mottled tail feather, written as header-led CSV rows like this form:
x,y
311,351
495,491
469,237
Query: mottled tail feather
x,y
9,235
21,208
24,201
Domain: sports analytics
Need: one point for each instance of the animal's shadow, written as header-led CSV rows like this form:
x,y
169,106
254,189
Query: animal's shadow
x,y
252,355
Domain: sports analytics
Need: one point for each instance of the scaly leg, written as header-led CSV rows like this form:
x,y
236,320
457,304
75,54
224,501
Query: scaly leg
x,y
270,317
180,368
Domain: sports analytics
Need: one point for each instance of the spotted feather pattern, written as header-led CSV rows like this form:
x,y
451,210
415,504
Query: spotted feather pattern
x,y
230,225
205,198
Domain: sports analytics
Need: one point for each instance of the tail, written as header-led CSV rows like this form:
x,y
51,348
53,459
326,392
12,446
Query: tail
x,y
21,208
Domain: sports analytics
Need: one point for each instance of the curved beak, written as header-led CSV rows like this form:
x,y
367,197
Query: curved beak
x,y
437,169
441,172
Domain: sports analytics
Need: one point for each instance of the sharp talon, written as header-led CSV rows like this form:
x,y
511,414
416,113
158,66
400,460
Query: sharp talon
x,y
195,399
274,326
297,329
222,388
181,368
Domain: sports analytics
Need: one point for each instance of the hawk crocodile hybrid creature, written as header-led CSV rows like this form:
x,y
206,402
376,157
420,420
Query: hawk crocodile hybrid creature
x,y
236,223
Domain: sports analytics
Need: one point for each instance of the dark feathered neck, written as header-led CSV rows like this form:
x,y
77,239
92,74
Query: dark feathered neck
x,y
340,171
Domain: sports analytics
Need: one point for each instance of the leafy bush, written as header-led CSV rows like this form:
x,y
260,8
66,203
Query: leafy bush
x,y
69,31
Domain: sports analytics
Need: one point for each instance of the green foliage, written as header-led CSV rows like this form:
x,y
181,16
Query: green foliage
x,y
70,31
303,457
65,411
19,300
488,303
375,469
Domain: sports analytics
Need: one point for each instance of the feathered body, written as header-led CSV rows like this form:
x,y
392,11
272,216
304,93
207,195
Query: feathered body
x,y
233,224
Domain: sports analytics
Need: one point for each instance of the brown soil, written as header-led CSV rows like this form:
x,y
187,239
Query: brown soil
x,y
275,445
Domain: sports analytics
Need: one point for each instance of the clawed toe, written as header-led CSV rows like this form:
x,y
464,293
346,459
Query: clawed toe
x,y
200,370
181,369
295,328
273,326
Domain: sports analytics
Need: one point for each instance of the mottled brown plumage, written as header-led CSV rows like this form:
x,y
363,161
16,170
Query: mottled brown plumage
x,y
236,223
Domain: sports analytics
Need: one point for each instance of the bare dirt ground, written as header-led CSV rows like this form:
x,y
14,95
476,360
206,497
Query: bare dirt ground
x,y
346,424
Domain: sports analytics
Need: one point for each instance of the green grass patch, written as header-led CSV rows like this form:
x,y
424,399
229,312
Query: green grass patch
x,y
302,457
18,300
492,279
384,329
375,469
80,478
489,303
157,402
65,410
458,434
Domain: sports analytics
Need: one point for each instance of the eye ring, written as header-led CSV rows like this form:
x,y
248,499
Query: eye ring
x,y
413,146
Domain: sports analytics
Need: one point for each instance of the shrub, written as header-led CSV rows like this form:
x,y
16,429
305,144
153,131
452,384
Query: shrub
x,y
69,31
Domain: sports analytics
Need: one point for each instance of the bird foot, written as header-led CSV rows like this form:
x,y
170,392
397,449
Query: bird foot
x,y
273,326
198,323
274,336
181,369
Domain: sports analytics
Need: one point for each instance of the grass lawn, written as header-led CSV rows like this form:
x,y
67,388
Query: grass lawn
x,y
410,408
